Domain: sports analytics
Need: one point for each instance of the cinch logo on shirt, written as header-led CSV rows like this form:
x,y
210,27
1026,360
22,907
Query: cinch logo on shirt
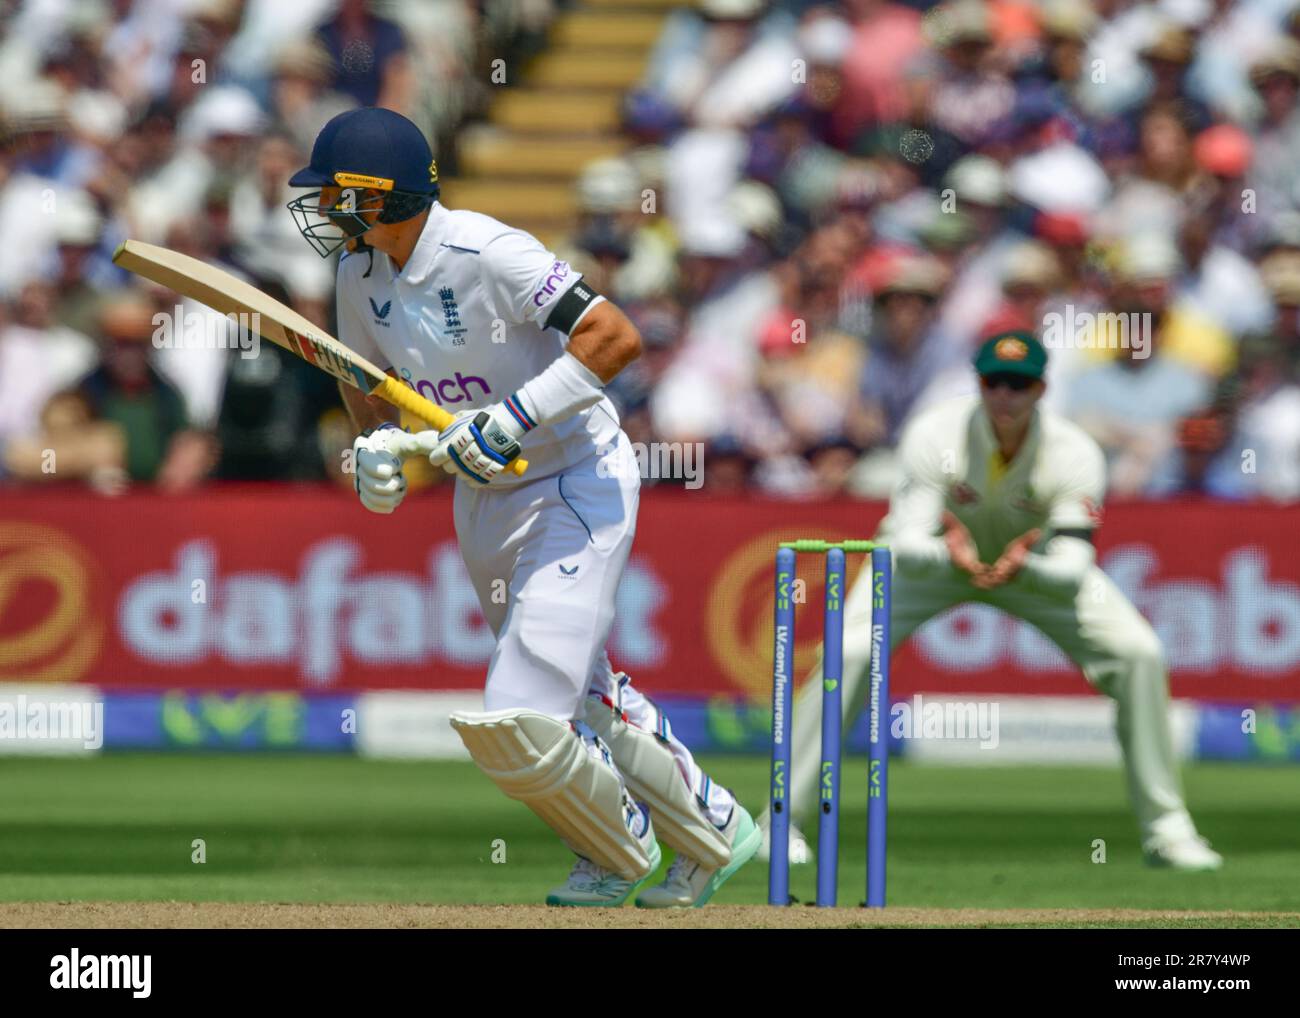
x,y
456,389
558,274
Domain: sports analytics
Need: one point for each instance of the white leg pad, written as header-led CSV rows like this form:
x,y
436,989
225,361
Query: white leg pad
x,y
545,764
652,775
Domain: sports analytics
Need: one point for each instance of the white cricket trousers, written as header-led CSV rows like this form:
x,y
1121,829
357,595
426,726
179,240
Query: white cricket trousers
x,y
545,559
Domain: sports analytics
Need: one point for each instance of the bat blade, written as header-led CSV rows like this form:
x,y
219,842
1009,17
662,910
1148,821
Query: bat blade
x,y
278,323
228,294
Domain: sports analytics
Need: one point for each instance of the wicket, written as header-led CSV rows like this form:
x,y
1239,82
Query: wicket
x,y
832,726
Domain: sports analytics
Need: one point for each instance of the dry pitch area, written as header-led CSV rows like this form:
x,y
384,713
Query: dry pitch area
x,y
220,915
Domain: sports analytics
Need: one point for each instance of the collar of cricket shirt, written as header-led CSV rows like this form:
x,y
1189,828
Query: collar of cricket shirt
x,y
1028,449
420,264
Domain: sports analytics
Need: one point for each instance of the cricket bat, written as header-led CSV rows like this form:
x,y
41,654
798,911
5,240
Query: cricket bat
x,y
280,324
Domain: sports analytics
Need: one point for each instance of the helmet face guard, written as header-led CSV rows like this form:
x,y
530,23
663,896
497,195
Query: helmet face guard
x,y
328,229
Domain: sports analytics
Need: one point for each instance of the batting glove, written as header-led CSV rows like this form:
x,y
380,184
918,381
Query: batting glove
x,y
479,444
378,457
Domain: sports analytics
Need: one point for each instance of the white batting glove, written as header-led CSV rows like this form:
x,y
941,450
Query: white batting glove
x,y
479,444
378,458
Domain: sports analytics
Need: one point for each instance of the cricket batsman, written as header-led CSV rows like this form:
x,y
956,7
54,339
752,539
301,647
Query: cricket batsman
x,y
997,502
486,322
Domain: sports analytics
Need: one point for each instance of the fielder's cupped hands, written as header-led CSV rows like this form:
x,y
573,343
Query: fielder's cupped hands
x,y
1009,563
961,547
961,550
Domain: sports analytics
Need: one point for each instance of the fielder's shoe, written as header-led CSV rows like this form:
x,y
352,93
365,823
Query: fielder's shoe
x,y
800,853
1190,853
689,884
595,886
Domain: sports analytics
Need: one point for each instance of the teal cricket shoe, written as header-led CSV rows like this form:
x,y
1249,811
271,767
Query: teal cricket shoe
x,y
689,884
594,886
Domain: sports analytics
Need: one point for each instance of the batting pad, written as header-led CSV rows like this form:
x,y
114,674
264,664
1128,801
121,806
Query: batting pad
x,y
652,775
544,764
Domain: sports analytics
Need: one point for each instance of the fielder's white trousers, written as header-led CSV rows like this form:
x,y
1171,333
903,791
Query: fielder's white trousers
x,y
1098,629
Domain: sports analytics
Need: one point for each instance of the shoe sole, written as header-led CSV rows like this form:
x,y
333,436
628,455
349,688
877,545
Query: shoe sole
x,y
740,854
655,859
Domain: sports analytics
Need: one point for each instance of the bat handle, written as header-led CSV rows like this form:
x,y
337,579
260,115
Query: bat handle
x,y
405,398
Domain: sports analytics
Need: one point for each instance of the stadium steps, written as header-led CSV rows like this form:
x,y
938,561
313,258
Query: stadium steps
x,y
574,67
563,113
609,29
514,199
530,111
489,151
640,6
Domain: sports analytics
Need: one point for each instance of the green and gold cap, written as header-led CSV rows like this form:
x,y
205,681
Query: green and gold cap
x,y
1012,353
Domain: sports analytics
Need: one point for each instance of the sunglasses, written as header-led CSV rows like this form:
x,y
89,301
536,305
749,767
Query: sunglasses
x,y
1016,383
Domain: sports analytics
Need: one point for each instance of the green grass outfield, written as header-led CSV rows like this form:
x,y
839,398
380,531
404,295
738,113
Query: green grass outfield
x,y
278,828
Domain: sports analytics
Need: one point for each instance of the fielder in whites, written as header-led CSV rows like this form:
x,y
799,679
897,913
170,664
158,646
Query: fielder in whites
x,y
484,321
996,502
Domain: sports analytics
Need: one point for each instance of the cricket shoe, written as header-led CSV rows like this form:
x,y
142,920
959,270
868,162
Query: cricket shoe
x,y
690,884
1190,853
800,853
593,886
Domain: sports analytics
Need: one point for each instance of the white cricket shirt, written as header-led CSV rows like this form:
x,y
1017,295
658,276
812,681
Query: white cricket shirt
x,y
463,324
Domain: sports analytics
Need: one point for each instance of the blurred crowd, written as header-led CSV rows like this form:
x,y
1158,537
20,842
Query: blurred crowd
x,y
178,122
822,210
835,243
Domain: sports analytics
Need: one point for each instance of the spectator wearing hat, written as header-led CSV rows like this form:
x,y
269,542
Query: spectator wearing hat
x,y
1281,274
38,357
1275,75
1067,25
712,381
629,255
1145,275
82,266
1031,277
1217,283
824,40
300,95
264,243
1167,60
1266,414
1246,442
1149,198
808,361
216,140
126,390
958,88
905,351
1131,404
976,186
